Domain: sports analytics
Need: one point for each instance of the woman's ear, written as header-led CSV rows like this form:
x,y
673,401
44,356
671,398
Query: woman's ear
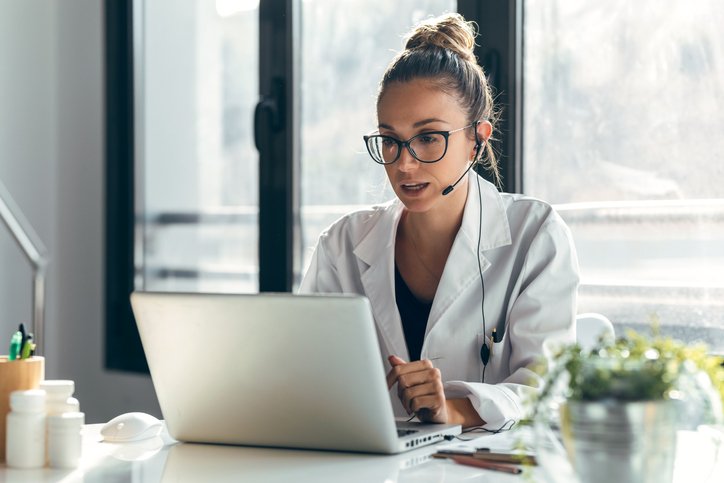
x,y
484,130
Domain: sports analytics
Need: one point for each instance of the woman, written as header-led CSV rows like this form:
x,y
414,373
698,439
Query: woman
x,y
466,283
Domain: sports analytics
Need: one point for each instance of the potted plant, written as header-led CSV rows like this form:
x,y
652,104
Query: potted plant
x,y
620,404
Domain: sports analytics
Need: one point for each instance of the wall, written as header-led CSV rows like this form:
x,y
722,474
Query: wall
x,y
51,160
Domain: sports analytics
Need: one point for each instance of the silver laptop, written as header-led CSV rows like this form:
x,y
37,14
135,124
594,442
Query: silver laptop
x,y
294,371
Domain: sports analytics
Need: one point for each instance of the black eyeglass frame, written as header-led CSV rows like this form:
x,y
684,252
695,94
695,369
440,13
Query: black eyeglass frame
x,y
406,144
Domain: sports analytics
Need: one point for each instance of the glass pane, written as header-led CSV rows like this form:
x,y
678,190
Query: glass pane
x,y
345,51
198,184
623,110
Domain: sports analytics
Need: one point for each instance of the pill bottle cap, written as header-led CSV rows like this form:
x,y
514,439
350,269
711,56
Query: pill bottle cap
x,y
59,388
32,400
73,405
66,421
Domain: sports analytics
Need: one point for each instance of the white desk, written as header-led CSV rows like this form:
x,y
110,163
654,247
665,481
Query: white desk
x,y
162,460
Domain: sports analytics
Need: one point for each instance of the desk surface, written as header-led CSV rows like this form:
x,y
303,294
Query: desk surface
x,y
163,460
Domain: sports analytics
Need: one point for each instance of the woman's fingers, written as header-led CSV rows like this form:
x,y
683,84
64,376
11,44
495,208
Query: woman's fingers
x,y
400,367
392,376
419,387
412,396
412,379
413,386
401,370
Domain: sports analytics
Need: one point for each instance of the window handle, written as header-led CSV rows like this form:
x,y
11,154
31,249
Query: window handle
x,y
269,113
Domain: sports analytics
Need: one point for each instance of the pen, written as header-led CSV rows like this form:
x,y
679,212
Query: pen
x,y
518,459
28,347
15,346
487,455
487,465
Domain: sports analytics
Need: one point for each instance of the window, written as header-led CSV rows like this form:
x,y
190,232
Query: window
x,y
623,107
344,53
197,167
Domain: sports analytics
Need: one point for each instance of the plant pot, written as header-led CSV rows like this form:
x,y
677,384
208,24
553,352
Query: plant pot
x,y
621,442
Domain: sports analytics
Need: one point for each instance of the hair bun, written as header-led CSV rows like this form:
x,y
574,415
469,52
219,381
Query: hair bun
x,y
450,31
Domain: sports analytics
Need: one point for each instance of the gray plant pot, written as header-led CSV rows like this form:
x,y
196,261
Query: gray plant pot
x,y
621,442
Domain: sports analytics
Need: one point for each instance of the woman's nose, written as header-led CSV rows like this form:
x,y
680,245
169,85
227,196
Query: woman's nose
x,y
407,161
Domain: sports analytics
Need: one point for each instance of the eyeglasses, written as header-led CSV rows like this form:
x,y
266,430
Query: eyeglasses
x,y
426,147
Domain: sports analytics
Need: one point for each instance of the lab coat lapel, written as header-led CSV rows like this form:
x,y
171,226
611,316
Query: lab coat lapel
x,y
377,251
461,268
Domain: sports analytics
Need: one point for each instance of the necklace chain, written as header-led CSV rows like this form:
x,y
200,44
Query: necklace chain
x,y
417,255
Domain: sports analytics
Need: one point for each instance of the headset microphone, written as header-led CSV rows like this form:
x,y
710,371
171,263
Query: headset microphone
x,y
449,189
478,145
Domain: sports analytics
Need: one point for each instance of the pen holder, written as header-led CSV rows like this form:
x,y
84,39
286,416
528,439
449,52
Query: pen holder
x,y
17,375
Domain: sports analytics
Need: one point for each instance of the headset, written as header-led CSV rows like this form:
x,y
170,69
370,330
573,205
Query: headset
x,y
486,350
478,145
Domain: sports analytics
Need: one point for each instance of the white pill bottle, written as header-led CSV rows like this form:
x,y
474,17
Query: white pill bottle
x,y
25,443
64,439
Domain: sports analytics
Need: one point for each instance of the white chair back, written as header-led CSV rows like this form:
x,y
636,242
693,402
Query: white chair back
x,y
590,326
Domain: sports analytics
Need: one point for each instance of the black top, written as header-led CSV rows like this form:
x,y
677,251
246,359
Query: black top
x,y
414,315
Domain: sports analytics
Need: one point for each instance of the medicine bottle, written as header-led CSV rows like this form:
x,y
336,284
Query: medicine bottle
x,y
25,443
64,439
58,398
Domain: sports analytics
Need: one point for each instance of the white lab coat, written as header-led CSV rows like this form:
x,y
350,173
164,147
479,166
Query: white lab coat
x,y
531,278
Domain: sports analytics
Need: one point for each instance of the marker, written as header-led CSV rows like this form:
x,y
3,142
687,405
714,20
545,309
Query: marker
x,y
28,347
15,346
21,329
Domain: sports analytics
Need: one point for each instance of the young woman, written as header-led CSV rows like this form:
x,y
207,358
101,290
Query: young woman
x,y
466,283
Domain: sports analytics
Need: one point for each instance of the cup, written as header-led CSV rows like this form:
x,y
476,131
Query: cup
x,y
17,375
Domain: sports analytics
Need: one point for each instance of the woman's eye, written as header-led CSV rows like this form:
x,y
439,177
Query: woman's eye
x,y
428,138
388,142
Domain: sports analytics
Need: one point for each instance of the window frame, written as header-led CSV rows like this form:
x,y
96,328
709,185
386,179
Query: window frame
x,y
123,350
499,50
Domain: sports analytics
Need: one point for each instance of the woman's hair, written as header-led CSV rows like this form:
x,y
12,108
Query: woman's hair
x,y
441,50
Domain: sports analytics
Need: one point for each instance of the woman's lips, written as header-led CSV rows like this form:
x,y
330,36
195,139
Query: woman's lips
x,y
413,188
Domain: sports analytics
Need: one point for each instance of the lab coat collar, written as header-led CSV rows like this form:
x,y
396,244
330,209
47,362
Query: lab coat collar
x,y
377,251
495,227
461,269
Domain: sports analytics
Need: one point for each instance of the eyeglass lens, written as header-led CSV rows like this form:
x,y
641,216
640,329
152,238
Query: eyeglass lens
x,y
425,147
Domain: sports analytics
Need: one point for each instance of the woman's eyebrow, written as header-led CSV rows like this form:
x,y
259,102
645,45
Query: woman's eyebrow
x,y
428,121
416,125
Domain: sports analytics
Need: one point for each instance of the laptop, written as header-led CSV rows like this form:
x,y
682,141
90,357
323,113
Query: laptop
x,y
279,370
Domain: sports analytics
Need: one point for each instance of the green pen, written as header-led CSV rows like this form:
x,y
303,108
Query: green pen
x,y
15,343
27,347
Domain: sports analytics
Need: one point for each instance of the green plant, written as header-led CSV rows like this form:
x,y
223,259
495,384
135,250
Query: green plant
x,y
636,368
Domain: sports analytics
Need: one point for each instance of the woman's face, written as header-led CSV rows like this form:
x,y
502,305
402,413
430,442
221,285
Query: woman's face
x,y
408,109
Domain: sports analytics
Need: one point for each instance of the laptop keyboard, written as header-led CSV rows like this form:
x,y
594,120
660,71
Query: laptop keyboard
x,y
406,432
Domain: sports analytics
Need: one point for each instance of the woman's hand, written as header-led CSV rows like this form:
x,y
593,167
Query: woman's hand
x,y
419,386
